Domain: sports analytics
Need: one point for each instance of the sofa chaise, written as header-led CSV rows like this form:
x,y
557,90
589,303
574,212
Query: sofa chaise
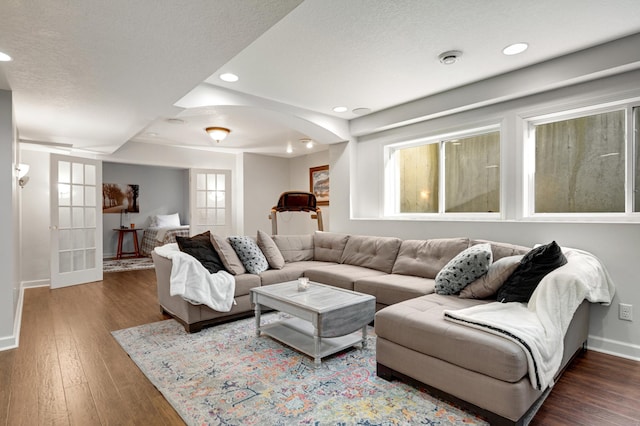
x,y
483,372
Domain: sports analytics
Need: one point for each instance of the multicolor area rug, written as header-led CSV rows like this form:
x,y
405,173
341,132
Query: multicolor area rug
x,y
127,264
227,375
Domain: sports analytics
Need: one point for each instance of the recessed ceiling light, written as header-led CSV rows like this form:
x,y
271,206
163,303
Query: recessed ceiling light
x,y
307,142
4,57
515,48
229,77
340,109
174,121
289,149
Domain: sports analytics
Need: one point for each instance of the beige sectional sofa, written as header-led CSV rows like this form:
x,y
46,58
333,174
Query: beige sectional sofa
x,y
483,372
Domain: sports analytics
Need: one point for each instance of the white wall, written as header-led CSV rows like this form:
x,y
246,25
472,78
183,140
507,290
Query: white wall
x,y
9,245
35,236
614,243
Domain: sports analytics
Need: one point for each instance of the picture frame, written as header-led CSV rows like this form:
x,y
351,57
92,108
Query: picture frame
x,y
319,184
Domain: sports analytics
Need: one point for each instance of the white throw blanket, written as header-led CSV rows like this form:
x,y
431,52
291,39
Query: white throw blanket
x,y
192,281
540,326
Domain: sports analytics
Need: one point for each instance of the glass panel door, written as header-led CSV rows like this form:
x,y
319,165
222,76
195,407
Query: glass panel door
x,y
76,230
210,201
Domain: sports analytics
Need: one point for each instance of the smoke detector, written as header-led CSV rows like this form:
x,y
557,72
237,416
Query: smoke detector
x,y
450,57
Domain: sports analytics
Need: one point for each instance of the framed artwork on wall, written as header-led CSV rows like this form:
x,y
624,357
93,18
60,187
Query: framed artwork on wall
x,y
319,184
120,197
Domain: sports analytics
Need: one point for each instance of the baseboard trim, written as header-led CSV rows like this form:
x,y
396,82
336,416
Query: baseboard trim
x,y
13,341
614,347
35,283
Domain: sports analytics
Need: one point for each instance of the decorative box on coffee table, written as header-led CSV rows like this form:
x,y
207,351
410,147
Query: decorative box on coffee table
x,y
325,319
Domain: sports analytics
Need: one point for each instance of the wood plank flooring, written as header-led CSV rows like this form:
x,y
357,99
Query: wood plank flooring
x,y
69,370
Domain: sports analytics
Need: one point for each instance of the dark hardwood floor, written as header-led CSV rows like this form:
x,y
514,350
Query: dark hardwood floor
x,y
69,370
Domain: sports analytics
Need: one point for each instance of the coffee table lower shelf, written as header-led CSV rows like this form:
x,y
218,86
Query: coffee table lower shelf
x,y
299,335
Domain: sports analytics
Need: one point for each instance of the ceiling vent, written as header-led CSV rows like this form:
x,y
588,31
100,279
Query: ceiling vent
x,y
450,57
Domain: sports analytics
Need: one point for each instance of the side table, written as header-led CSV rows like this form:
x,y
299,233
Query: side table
x,y
121,234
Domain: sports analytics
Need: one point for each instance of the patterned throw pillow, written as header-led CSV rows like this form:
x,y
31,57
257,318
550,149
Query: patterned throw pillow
x,y
250,254
463,269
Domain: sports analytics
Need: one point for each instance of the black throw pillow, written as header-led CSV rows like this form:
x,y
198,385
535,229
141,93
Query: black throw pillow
x,y
200,247
532,268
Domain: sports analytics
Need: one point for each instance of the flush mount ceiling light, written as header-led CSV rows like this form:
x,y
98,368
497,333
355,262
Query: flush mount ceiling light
x,y
229,77
217,133
307,142
450,57
515,48
4,57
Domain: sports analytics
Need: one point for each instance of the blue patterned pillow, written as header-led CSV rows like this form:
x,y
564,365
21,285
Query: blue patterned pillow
x,y
250,254
465,268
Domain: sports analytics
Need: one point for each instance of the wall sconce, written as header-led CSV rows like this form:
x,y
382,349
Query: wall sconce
x,y
21,173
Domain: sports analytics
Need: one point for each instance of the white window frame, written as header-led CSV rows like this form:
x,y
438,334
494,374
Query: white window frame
x,y
528,162
392,183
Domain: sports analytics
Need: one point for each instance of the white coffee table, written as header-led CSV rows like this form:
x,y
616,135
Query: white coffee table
x,y
325,319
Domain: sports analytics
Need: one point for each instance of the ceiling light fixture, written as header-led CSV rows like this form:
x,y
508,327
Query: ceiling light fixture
x,y
4,57
217,133
450,57
289,149
307,142
229,77
340,109
515,48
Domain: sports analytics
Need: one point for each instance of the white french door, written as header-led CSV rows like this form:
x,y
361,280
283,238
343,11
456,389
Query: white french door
x,y
210,195
76,222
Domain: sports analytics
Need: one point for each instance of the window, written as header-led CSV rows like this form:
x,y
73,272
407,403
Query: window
x,y
453,174
580,164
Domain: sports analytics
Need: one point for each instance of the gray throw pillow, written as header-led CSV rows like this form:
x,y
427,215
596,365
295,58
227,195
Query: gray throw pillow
x,y
270,250
488,284
463,269
230,259
250,254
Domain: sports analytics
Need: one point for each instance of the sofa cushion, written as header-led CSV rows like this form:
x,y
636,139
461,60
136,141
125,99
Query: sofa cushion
x,y
200,247
295,248
250,254
245,282
488,284
425,258
377,253
394,288
230,259
270,250
418,324
463,269
532,268
291,271
328,246
342,276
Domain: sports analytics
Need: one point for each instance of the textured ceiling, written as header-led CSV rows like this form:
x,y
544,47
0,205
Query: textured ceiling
x,y
97,74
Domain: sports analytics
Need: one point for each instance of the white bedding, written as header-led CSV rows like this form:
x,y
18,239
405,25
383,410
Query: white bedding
x,y
539,326
192,281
